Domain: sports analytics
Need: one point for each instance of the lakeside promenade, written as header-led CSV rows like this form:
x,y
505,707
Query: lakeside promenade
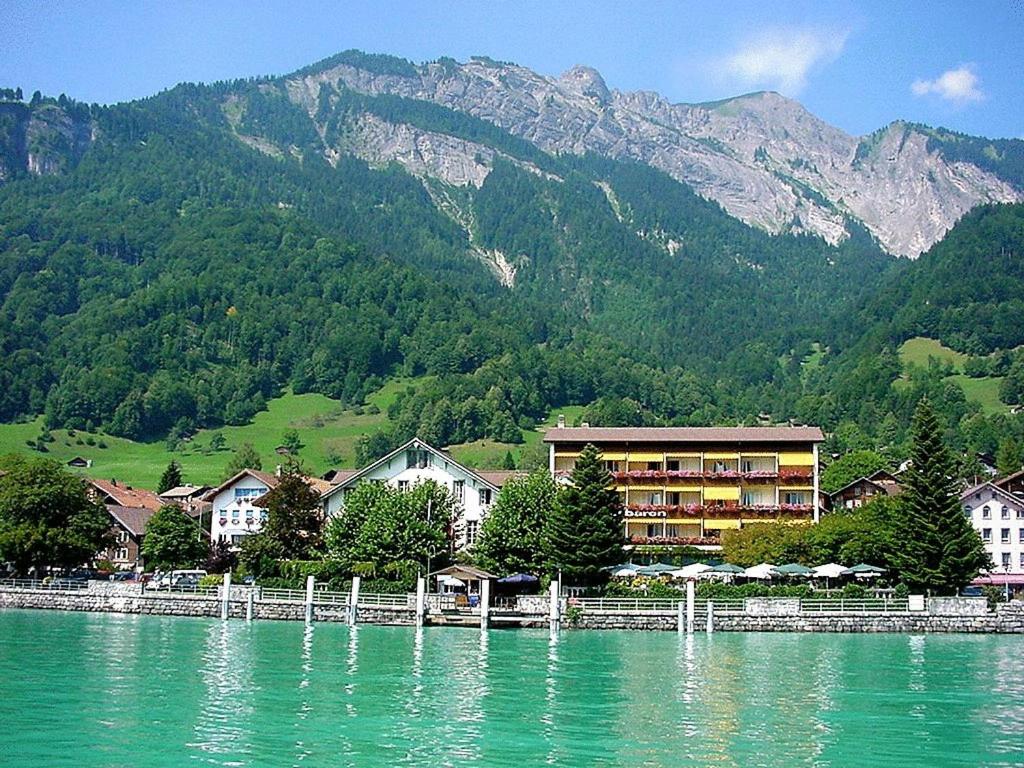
x,y
916,615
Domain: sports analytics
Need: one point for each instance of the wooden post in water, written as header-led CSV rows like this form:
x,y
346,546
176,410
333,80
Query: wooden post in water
x,y
353,602
691,596
421,598
310,580
711,617
248,606
555,613
225,597
485,603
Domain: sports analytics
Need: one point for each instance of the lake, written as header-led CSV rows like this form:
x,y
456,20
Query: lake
x,y
110,690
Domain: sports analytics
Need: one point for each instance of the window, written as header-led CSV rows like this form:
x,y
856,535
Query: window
x,y
472,528
459,489
653,529
1020,535
263,516
1020,513
986,534
248,493
1004,536
967,509
234,515
650,497
749,499
248,514
611,466
654,466
672,531
485,497
122,553
986,513
672,465
1006,559
417,458
122,537
746,465
793,497
719,466
403,486
1005,514
236,538
1022,560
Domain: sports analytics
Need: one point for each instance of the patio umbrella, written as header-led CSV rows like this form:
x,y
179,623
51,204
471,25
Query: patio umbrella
x,y
450,581
655,569
794,569
864,571
763,571
727,568
625,570
519,578
829,571
689,571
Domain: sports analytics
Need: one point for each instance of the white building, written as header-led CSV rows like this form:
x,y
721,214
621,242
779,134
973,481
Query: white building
x,y
999,517
234,516
416,462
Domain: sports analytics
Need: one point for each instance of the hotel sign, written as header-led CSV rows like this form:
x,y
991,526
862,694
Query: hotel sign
x,y
646,513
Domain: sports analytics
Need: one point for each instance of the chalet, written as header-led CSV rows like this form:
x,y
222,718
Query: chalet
x,y
111,492
79,463
189,498
416,462
128,528
862,490
1012,484
234,515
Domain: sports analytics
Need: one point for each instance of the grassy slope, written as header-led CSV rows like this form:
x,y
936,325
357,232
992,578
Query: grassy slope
x,y
323,426
490,454
984,391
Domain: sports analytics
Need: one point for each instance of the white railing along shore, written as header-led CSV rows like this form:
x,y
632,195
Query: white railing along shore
x,y
53,585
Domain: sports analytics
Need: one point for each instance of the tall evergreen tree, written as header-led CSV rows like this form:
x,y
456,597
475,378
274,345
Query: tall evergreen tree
x,y
584,533
171,478
940,551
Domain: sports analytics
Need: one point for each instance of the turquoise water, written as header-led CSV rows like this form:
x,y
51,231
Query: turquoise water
x,y
107,690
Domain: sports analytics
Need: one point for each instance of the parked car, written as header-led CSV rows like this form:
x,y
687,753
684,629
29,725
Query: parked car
x,y
124,576
972,591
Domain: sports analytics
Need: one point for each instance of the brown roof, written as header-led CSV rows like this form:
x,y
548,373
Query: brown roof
x,y
317,484
125,495
184,491
498,477
341,475
1002,482
132,519
684,435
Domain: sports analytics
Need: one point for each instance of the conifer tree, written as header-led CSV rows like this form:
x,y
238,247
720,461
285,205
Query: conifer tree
x,y
940,551
171,478
583,533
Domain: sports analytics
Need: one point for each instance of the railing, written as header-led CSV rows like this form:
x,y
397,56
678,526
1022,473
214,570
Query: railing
x,y
178,590
383,600
848,605
283,595
54,585
329,598
632,604
441,602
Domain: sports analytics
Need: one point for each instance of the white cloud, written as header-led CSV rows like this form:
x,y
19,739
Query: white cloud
x,y
782,58
959,85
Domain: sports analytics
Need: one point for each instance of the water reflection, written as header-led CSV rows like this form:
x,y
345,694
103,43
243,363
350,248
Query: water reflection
x,y
224,724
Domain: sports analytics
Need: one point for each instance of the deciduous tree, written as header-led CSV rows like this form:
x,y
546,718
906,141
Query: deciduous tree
x,y
173,540
511,538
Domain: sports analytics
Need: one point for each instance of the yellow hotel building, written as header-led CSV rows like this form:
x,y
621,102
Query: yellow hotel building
x,y
685,485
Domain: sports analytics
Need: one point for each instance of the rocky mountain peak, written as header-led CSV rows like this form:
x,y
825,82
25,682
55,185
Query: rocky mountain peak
x,y
586,81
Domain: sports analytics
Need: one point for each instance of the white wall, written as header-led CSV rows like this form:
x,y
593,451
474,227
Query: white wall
x,y
242,518
995,524
473,507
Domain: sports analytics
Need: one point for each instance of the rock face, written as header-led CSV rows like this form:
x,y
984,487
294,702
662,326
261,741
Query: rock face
x,y
763,157
41,140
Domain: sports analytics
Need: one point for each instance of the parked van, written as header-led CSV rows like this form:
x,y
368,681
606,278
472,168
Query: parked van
x,y
181,578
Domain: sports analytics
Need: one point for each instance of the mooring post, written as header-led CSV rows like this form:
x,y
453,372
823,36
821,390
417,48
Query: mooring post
x,y
485,603
680,614
353,602
248,606
225,597
711,617
310,582
691,596
555,614
421,599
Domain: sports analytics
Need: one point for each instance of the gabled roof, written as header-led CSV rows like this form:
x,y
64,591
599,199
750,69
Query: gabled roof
x,y
132,519
882,476
268,479
465,572
317,484
498,477
355,477
996,491
1009,478
125,495
889,488
684,434
335,476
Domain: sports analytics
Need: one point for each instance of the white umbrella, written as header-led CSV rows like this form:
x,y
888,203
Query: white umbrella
x,y
762,571
691,571
626,571
829,571
450,581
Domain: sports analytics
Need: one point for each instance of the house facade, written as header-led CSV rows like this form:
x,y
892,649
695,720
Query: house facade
x,y
234,515
128,526
685,485
416,462
998,516
861,491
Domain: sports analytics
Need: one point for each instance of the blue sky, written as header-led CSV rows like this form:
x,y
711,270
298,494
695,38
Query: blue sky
x,y
858,65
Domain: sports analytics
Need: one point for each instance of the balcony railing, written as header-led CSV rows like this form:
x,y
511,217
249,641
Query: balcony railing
x,y
754,475
676,541
712,510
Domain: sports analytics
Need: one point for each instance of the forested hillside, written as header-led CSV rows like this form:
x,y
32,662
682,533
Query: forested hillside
x,y
190,255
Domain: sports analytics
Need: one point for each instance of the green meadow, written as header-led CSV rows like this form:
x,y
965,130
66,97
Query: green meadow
x,y
983,391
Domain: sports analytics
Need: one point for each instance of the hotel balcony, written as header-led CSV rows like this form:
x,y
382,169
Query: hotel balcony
x,y
679,511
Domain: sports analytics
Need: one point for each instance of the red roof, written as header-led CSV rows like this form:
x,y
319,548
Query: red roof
x,y
132,519
268,479
125,495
